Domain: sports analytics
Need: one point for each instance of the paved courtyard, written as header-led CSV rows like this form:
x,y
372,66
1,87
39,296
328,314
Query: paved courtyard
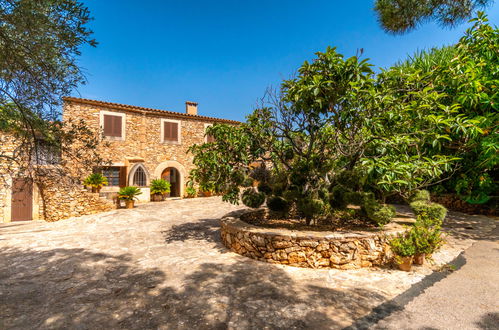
x,y
162,265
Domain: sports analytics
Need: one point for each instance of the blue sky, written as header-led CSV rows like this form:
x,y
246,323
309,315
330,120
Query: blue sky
x,y
224,54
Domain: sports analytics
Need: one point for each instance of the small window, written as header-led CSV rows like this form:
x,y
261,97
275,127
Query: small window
x,y
171,131
112,126
113,175
139,177
46,153
208,138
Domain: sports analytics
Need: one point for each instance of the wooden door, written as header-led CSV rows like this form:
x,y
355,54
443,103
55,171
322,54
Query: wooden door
x,y
22,200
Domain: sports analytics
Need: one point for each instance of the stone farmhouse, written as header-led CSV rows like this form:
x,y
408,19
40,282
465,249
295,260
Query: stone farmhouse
x,y
141,144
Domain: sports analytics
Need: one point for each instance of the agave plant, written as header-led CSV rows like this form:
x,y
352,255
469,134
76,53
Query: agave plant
x,y
96,181
129,193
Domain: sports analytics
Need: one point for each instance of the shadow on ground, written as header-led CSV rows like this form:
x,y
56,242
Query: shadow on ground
x,y
75,288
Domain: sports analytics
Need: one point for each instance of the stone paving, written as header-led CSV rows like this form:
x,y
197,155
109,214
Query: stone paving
x,y
162,265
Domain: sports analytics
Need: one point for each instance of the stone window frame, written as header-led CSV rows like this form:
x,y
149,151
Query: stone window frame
x,y
204,132
179,131
123,125
132,174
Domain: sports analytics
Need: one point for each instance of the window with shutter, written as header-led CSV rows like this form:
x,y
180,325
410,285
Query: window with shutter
x,y
112,125
171,131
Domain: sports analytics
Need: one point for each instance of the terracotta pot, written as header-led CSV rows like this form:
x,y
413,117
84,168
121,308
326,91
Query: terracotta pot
x,y
207,193
405,264
95,190
129,204
419,259
158,198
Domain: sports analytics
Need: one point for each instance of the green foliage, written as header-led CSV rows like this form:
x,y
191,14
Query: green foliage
x,y
401,16
40,43
265,188
95,180
190,190
338,198
278,204
426,235
432,210
420,195
338,134
378,213
129,193
311,208
402,245
160,187
252,198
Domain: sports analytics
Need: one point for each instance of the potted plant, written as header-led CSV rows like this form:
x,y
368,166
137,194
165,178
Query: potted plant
x,y
207,189
159,188
129,195
404,249
190,191
96,181
426,237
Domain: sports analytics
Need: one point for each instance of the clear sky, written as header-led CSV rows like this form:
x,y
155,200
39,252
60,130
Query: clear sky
x,y
224,54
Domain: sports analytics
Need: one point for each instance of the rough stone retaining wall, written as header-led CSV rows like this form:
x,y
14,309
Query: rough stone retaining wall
x,y
310,249
61,202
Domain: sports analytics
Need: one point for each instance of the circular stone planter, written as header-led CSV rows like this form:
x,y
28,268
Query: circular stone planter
x,y
312,249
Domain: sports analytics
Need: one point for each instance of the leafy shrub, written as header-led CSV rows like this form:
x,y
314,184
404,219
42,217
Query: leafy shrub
x,y
378,213
427,238
264,188
402,245
252,198
420,195
432,210
278,204
358,197
160,187
338,197
260,173
129,193
311,207
191,191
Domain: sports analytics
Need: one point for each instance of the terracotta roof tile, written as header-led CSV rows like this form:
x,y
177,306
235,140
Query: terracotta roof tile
x,y
127,107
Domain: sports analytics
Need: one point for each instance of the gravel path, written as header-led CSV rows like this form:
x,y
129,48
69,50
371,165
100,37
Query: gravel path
x,y
163,266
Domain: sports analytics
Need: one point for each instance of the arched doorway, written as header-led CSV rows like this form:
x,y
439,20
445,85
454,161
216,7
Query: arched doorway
x,y
172,175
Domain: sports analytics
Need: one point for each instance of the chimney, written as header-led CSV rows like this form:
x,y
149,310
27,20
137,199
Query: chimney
x,y
191,108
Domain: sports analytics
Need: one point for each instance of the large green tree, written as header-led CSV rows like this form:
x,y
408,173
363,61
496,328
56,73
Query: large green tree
x,y
40,41
401,16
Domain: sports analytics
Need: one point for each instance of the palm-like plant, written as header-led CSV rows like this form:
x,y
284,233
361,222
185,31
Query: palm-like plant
x,y
96,181
160,187
129,193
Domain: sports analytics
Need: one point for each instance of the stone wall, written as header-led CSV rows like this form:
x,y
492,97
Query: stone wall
x,y
308,249
62,202
55,197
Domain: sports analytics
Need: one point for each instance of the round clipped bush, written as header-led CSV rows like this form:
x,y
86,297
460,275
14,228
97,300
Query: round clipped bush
x,y
278,204
358,197
311,207
432,210
253,199
338,197
264,188
378,213
420,195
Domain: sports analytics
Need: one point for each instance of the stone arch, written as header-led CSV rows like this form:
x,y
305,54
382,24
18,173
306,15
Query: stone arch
x,y
132,173
179,167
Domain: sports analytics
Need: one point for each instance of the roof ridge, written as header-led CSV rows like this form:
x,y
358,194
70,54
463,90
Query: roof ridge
x,y
135,107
